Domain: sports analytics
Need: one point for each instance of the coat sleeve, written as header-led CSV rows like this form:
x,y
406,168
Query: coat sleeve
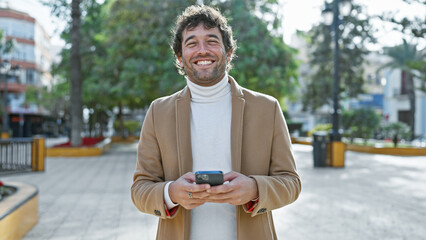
x,y
283,184
147,191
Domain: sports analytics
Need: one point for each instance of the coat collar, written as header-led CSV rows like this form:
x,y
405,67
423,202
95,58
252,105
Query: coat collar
x,y
183,127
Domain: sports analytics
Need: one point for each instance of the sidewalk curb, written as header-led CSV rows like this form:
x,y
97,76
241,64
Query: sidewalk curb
x,y
97,150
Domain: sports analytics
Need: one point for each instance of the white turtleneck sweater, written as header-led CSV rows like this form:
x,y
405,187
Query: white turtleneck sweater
x,y
211,111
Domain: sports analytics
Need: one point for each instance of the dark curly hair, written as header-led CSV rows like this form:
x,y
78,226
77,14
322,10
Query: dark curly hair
x,y
191,17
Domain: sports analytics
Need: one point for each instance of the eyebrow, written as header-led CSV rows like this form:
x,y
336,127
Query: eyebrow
x,y
193,36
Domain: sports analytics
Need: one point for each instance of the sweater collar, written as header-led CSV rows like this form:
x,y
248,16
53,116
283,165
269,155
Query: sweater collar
x,y
211,93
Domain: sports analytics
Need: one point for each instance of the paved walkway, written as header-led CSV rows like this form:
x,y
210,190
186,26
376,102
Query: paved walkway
x,y
373,197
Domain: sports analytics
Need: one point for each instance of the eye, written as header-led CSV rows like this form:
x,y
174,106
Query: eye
x,y
190,44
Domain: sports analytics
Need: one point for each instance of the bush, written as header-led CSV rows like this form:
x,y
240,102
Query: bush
x,y
360,123
399,129
320,127
131,126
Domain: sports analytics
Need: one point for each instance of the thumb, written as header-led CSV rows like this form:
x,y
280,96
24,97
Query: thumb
x,y
230,176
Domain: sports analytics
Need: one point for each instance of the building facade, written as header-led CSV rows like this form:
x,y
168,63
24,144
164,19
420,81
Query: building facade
x,y
397,104
385,92
32,53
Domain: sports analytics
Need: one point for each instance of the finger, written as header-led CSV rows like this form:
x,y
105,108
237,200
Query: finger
x,y
230,176
224,188
196,187
189,177
200,195
221,196
226,200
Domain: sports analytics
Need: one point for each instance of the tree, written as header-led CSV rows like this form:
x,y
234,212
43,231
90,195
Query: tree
x,y
61,8
360,123
92,50
264,62
356,32
397,131
138,66
402,57
128,62
75,75
139,63
413,26
6,46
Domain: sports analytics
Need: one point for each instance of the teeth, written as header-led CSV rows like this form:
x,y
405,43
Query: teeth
x,y
204,62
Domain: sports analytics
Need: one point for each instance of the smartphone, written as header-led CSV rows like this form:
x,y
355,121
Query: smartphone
x,y
211,177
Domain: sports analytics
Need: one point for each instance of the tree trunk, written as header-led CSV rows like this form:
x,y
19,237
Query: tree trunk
x,y
75,74
411,91
121,121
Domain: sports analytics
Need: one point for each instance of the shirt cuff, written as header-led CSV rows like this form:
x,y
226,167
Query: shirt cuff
x,y
251,205
169,203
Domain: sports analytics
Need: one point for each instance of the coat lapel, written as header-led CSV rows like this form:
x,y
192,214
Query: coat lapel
x,y
183,131
238,103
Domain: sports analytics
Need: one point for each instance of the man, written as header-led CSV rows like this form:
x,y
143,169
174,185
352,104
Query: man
x,y
213,124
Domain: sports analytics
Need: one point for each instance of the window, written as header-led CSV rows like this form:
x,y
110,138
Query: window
x,y
404,116
404,80
30,78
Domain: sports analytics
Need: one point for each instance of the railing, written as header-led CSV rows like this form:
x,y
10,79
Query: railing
x,y
15,154
19,154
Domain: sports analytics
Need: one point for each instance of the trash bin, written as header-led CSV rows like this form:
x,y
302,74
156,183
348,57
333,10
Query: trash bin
x,y
320,148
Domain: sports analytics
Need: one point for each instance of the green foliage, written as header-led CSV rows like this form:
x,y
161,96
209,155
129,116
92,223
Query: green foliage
x,y
131,126
6,46
127,60
59,95
264,62
400,129
405,57
360,123
413,26
419,71
320,127
409,59
357,31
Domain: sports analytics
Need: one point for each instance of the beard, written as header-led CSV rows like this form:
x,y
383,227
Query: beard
x,y
208,76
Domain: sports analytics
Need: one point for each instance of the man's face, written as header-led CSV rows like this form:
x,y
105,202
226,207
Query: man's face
x,y
203,55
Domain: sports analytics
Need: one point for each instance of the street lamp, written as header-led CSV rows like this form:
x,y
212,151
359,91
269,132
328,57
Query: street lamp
x,y
5,71
332,15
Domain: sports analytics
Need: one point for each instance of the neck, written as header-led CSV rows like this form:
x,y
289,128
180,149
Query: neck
x,y
211,93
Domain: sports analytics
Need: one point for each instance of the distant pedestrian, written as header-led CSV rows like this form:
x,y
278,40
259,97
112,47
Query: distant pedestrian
x,y
213,124
395,140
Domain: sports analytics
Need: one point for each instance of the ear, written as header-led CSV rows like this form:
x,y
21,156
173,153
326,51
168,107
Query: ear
x,y
180,61
228,55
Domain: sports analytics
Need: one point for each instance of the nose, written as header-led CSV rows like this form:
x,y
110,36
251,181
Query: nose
x,y
203,49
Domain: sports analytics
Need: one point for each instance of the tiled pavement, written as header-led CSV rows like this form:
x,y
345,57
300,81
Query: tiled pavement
x,y
373,197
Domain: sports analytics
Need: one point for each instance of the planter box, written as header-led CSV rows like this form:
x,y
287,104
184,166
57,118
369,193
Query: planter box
x,y
95,150
18,212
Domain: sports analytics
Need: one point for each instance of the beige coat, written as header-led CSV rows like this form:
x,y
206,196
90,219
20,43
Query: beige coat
x,y
260,148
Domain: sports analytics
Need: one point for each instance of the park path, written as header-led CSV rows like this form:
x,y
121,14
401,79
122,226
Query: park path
x,y
373,197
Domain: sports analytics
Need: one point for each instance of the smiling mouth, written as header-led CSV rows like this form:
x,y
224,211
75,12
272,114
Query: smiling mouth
x,y
204,62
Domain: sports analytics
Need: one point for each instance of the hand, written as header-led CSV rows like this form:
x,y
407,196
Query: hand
x,y
179,189
240,190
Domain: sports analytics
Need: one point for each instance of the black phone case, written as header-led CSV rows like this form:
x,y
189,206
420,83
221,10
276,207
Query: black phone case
x,y
213,179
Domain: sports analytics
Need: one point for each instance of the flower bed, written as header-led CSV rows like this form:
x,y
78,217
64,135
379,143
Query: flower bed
x,y
89,147
86,142
6,191
18,210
